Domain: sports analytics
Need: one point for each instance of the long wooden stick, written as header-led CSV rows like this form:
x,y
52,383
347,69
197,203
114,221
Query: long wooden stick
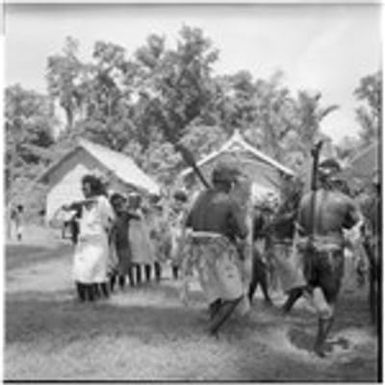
x,y
184,151
189,159
315,151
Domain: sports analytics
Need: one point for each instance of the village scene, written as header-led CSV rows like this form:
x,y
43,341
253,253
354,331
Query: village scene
x,y
168,222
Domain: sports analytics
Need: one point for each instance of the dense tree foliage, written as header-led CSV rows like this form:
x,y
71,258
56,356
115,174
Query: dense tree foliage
x,y
369,116
28,133
369,113
64,78
28,139
144,104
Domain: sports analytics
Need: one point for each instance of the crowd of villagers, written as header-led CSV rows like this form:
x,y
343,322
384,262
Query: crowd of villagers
x,y
127,240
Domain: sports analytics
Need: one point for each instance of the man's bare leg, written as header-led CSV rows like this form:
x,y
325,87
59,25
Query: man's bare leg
x,y
225,310
294,295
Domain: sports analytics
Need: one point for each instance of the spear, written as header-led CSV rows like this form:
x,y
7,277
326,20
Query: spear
x,y
315,151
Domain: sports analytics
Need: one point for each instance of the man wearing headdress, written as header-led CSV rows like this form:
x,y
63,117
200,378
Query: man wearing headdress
x,y
323,215
217,224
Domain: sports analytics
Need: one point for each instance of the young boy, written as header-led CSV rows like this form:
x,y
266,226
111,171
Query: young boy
x,y
121,239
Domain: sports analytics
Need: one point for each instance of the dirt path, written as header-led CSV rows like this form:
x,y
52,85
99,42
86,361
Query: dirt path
x,y
147,334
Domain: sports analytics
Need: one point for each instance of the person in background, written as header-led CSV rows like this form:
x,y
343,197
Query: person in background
x,y
75,226
146,225
177,226
119,237
42,213
372,243
282,230
159,234
142,250
17,221
259,264
90,269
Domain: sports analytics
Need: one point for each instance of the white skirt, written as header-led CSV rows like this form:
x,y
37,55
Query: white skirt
x,y
91,259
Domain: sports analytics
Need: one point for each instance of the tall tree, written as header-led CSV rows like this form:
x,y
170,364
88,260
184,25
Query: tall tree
x,y
106,102
369,113
236,101
275,115
309,115
64,75
28,135
177,83
105,89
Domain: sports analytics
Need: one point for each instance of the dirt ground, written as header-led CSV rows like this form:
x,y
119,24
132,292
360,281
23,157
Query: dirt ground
x,y
145,333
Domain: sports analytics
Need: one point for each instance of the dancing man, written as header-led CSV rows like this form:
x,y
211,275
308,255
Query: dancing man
x,y
217,224
323,215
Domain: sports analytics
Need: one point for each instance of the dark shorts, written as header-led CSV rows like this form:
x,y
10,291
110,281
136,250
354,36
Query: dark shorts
x,y
325,270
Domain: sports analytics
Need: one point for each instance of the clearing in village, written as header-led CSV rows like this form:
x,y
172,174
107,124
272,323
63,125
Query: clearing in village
x,y
146,333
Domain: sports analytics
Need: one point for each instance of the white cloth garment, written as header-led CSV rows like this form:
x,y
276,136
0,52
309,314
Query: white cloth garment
x,y
91,257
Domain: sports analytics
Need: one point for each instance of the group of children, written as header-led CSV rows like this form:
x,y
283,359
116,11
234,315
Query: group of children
x,y
120,240
130,242
145,237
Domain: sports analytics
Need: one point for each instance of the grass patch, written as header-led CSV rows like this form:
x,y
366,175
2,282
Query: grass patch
x,y
145,333
18,256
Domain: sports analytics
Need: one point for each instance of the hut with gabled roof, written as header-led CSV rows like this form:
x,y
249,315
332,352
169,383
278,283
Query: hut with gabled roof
x,y
264,172
63,177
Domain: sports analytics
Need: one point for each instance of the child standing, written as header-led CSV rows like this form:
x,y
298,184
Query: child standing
x,y
120,238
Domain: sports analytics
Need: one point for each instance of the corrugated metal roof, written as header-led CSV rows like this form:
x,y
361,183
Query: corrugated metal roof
x,y
123,167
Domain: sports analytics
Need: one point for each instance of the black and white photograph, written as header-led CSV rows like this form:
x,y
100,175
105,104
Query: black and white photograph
x,y
192,192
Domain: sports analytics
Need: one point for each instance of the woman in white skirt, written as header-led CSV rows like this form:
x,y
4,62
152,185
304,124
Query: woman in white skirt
x,y
91,257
